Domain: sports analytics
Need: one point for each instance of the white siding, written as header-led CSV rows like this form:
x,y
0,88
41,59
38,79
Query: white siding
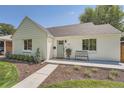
x,y
108,46
28,30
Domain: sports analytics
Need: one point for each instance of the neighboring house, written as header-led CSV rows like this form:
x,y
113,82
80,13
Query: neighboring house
x,y
5,44
101,41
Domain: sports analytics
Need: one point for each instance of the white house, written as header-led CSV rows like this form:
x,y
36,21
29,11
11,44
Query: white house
x,y
101,41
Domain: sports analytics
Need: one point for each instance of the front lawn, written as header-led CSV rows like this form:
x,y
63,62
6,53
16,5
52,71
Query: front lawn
x,y
8,74
86,84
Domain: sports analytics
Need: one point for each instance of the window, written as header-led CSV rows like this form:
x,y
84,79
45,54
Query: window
x,y
89,44
85,44
28,44
60,42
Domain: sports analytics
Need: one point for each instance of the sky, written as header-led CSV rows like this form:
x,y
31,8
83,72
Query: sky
x,y
47,16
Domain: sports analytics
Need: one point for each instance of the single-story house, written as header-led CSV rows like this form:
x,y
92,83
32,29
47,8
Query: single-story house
x,y
101,41
5,44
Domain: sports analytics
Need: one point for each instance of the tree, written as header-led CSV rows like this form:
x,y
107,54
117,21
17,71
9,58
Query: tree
x,y
7,29
87,16
106,14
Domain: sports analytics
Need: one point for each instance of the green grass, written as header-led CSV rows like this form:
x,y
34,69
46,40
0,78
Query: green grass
x,y
8,74
86,84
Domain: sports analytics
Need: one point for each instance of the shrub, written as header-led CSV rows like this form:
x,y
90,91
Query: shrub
x,y
77,68
26,58
30,59
20,57
10,56
27,71
67,71
17,57
13,56
111,77
113,74
37,56
7,55
94,70
87,73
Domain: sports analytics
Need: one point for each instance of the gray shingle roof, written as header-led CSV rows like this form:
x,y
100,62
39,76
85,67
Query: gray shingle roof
x,y
83,29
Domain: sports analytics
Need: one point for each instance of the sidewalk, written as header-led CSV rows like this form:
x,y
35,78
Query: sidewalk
x,y
34,80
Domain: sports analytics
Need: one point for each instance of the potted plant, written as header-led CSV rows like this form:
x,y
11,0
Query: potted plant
x,y
68,52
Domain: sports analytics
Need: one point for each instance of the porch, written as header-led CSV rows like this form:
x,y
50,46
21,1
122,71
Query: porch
x,y
91,63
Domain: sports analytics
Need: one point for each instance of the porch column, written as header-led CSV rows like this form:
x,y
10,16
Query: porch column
x,y
4,47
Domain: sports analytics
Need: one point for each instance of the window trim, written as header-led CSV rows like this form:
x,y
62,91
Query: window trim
x,y
27,49
89,44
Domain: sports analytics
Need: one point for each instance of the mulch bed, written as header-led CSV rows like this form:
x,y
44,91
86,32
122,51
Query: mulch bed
x,y
69,72
25,68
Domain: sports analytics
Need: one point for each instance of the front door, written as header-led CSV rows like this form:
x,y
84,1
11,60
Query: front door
x,y
60,49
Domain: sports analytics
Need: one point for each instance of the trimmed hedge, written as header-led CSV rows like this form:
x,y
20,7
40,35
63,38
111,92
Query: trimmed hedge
x,y
20,57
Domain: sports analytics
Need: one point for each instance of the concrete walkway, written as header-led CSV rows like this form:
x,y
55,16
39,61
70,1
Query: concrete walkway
x,y
34,80
85,63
